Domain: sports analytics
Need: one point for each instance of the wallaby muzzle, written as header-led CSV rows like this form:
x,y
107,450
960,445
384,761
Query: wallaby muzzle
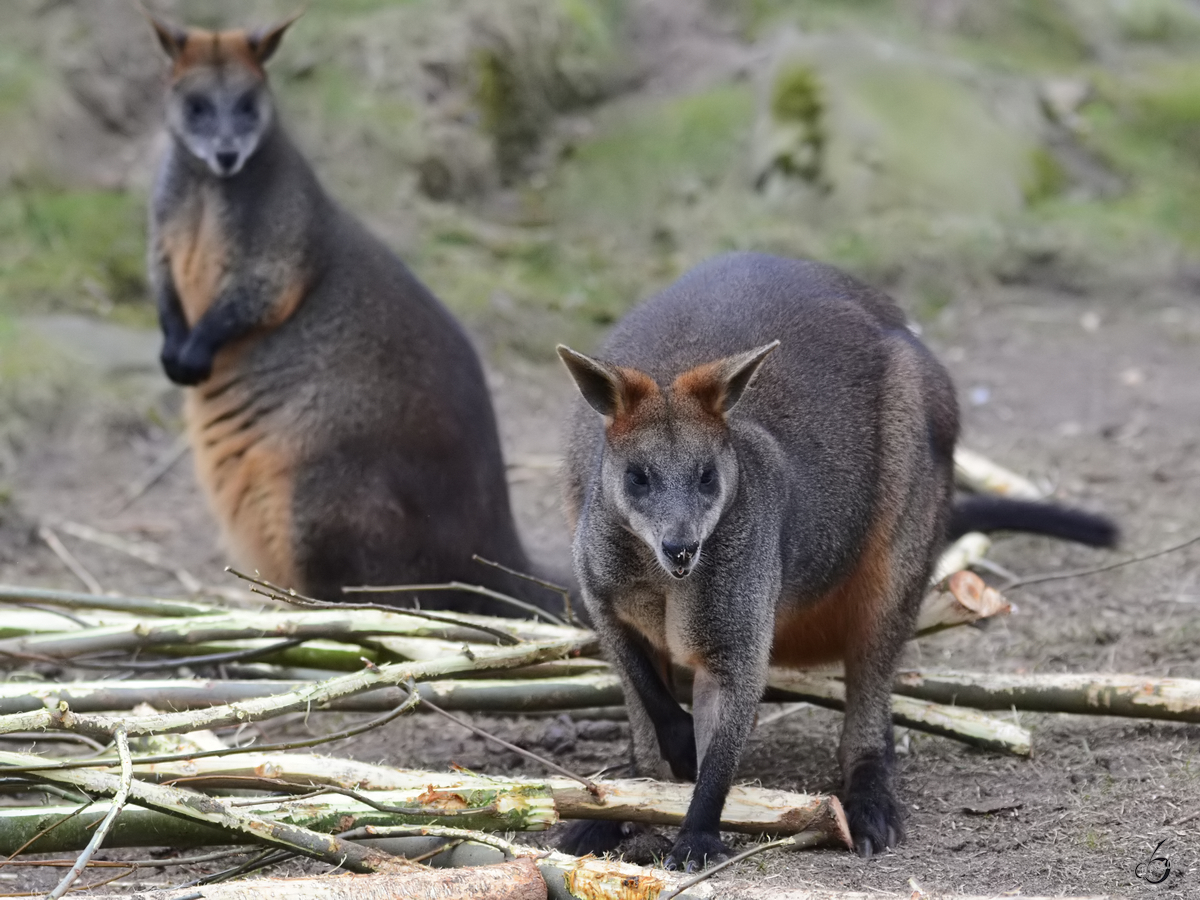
x,y
679,557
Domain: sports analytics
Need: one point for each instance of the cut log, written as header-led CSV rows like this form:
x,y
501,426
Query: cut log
x,y
961,599
516,880
1100,694
749,810
965,725
979,474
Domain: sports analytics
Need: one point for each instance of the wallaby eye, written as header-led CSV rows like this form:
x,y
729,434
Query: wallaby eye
x,y
637,482
245,105
708,479
197,107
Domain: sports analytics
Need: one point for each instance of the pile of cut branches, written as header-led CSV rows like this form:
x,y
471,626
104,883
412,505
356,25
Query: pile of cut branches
x,y
165,774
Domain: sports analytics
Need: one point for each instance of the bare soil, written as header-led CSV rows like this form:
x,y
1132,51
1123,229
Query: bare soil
x,y
1099,395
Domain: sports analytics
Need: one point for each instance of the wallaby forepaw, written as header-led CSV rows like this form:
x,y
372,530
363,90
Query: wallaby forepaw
x,y
875,820
182,369
695,850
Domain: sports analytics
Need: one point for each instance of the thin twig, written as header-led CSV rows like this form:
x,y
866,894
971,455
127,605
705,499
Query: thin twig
x,y
130,863
253,782
68,559
45,831
143,553
51,736
268,857
154,474
436,851
591,786
1079,573
368,832
116,805
205,659
289,596
404,707
797,840
455,586
563,592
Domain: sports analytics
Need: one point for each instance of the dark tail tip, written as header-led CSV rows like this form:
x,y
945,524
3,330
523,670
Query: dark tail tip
x,y
979,513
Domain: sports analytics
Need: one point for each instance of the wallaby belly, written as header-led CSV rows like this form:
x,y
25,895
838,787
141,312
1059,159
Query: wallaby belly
x,y
246,465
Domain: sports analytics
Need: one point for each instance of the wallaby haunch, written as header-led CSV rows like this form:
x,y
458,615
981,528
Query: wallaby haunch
x,y
339,417
771,482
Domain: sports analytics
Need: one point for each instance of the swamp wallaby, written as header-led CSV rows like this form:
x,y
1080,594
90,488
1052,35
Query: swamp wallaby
x,y
770,483
339,417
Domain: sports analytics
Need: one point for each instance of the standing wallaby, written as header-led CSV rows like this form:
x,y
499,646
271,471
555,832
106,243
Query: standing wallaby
x,y
339,417
770,483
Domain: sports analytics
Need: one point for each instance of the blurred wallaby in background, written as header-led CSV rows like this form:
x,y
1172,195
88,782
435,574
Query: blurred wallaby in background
x,y
339,417
771,483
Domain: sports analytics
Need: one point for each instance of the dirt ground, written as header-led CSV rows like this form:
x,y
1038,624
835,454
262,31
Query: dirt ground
x,y
1099,396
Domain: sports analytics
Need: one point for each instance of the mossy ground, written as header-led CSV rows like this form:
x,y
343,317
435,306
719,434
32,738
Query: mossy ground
x,y
655,182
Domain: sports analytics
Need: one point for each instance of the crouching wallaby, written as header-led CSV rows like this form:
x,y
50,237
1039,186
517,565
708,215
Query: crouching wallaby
x,y
339,417
770,483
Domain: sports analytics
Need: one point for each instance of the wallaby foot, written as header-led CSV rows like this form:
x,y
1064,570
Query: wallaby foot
x,y
874,816
695,850
634,842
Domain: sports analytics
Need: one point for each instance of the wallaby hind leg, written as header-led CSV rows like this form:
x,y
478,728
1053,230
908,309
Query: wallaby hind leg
x,y
866,751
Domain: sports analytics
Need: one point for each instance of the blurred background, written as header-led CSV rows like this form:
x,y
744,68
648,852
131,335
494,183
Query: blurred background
x,y
542,164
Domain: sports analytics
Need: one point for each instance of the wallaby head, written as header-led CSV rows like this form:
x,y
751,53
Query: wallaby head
x,y
219,107
669,467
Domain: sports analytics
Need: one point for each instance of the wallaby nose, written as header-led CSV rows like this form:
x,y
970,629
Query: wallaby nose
x,y
227,159
678,553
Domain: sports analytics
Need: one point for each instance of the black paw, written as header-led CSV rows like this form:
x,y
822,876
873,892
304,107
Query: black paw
x,y
187,364
677,743
875,818
584,836
695,850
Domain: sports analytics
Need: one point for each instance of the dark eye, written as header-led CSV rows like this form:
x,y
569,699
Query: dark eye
x,y
637,482
245,105
197,107
708,479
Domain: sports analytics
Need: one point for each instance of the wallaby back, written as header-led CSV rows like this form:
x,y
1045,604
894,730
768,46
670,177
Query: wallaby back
x,y
340,421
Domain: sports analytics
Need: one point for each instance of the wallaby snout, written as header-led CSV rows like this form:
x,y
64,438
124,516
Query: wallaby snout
x,y
680,556
226,161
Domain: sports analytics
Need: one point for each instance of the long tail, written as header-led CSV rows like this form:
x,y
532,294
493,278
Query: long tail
x,y
980,513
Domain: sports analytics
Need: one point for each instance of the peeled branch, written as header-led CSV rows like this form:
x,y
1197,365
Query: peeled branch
x,y
1100,694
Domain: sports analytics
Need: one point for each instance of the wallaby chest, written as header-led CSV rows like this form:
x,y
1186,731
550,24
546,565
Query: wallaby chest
x,y
193,238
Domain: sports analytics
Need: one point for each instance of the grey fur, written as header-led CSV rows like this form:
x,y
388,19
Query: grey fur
x,y
320,350
840,448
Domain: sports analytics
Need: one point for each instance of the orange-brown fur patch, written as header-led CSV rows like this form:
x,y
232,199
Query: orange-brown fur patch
x,y
705,385
247,474
286,302
215,48
198,255
635,392
841,620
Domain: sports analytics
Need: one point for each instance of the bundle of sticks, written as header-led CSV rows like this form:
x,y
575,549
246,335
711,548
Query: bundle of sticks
x,y
166,778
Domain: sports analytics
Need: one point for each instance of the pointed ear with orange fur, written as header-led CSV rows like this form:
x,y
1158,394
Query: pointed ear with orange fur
x,y
719,385
265,41
172,37
613,391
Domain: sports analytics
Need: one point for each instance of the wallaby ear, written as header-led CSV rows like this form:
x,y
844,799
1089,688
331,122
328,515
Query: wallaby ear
x,y
613,391
172,37
265,41
719,385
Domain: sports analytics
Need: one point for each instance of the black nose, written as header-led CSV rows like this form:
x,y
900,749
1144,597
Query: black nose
x,y
680,554
227,159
